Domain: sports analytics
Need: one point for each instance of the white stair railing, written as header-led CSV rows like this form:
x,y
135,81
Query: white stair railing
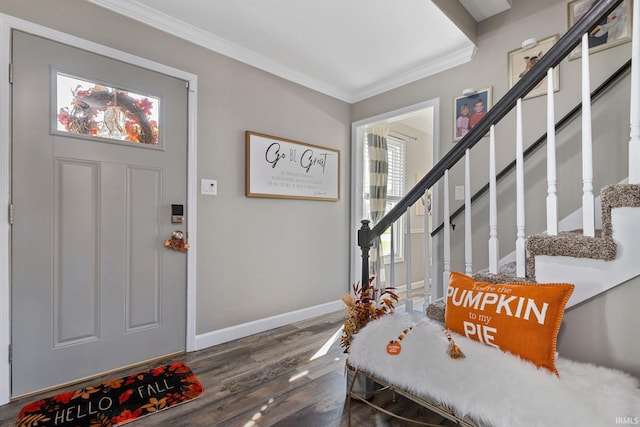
x,y
634,142
447,235
552,187
407,260
392,257
520,224
430,269
493,209
588,205
468,247
428,291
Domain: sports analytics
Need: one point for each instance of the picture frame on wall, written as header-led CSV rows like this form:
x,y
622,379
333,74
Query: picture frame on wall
x,y
283,168
468,109
615,29
523,59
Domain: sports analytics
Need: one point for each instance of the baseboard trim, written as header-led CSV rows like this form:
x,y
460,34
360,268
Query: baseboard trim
x,y
220,336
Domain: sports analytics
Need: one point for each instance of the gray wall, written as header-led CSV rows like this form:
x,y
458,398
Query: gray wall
x,y
256,257
604,330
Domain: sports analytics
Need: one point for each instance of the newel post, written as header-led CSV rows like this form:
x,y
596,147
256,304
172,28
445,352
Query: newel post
x,y
365,245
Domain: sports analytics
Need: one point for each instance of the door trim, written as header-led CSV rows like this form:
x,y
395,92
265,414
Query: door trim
x,y
7,24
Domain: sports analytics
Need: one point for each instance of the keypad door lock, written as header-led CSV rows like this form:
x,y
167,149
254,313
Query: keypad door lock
x,y
177,214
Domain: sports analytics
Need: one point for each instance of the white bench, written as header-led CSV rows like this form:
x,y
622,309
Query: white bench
x,y
489,387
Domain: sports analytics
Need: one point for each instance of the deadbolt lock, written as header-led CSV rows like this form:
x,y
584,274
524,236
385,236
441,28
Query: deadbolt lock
x,y
177,214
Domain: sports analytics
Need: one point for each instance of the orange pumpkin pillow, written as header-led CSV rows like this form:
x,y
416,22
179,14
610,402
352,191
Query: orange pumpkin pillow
x,y
522,319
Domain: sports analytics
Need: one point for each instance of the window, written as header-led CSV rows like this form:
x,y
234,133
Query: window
x,y
93,109
395,192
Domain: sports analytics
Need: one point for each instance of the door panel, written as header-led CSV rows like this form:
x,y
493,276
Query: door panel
x,y
143,278
76,256
93,287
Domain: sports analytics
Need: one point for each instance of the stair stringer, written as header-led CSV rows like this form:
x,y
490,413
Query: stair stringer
x,y
592,277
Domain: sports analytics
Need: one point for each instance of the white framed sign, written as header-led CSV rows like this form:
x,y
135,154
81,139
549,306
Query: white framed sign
x,y
283,168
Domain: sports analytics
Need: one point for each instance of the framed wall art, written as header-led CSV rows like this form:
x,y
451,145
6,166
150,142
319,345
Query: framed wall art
x,y
615,29
523,59
468,110
282,168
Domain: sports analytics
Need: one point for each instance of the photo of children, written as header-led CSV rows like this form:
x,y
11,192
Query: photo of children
x,y
462,122
468,110
478,113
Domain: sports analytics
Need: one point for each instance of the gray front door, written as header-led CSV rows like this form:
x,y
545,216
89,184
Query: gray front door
x,y
93,287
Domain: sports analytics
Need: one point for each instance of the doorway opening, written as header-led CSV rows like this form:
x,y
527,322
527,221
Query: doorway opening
x,y
412,138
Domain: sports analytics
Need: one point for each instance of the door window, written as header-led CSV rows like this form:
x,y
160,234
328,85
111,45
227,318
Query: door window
x,y
93,109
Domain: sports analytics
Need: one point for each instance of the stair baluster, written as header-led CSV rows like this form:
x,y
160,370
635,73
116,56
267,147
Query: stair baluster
x,y
634,142
552,189
392,257
407,260
447,234
427,252
520,221
493,209
588,206
467,215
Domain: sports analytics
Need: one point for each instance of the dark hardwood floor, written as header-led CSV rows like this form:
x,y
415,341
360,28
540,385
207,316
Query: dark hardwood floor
x,y
274,378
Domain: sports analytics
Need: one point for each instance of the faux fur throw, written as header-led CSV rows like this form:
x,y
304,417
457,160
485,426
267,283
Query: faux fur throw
x,y
491,386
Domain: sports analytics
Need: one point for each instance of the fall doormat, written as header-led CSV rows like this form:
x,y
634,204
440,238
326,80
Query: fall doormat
x,y
115,402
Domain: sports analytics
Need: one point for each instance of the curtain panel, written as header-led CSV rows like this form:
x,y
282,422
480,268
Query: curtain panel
x,y
378,174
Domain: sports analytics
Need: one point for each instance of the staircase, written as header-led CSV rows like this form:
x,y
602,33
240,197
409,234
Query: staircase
x,y
597,263
595,260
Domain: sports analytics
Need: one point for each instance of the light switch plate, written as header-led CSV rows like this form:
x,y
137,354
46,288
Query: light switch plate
x,y
459,192
209,187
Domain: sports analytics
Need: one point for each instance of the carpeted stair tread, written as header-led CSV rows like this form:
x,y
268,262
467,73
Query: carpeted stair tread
x,y
573,244
580,231
617,196
506,273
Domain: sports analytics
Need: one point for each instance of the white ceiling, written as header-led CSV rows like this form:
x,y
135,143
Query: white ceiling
x,y
350,50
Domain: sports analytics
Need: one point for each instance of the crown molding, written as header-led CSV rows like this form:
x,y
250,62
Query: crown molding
x,y
153,18
430,68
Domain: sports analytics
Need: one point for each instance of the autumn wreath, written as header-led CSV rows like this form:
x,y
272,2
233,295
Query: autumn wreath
x,y
122,111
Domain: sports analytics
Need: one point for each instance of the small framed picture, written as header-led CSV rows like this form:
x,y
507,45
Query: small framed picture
x,y
522,60
613,30
468,110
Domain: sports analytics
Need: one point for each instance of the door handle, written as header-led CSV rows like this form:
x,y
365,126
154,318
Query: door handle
x,y
176,242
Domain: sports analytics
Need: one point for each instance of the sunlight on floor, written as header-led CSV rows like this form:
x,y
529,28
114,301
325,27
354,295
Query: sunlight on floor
x,y
298,375
258,415
326,346
322,351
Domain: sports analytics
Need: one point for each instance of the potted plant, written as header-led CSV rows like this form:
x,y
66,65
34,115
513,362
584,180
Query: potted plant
x,y
361,307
